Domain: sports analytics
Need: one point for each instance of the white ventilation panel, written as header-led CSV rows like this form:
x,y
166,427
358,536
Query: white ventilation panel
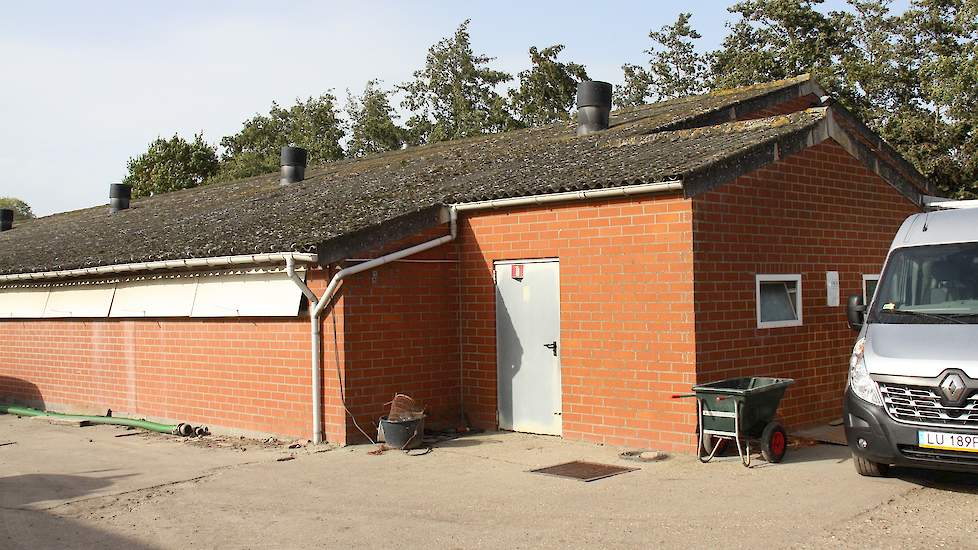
x,y
246,295
79,301
23,303
170,297
256,293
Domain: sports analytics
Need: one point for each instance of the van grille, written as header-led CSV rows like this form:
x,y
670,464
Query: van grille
x,y
922,405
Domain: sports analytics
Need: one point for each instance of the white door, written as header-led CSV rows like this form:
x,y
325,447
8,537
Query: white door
x,y
528,346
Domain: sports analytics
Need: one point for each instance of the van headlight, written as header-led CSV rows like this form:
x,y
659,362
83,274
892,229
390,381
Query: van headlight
x,y
859,381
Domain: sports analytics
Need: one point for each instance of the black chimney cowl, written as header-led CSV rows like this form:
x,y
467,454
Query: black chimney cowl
x,y
593,106
6,219
294,161
120,195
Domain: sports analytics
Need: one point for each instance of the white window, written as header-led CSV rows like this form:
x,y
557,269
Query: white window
x,y
778,300
869,287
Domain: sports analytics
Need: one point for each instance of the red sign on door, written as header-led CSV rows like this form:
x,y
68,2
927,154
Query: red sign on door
x,y
516,271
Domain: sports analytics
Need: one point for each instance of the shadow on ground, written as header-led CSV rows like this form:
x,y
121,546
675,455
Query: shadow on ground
x,y
21,490
29,529
935,479
20,392
795,455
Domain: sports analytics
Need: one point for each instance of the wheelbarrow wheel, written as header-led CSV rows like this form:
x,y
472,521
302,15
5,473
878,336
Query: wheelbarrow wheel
x,y
774,442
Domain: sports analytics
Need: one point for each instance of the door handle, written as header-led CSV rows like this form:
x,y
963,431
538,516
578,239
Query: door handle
x,y
552,347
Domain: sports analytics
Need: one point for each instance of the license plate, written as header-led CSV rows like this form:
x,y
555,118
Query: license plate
x,y
948,441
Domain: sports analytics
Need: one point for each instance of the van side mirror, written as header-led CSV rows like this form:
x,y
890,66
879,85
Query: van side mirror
x,y
854,311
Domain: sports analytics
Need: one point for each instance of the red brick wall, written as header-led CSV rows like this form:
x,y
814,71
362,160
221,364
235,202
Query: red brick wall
x,y
626,313
247,374
401,323
813,212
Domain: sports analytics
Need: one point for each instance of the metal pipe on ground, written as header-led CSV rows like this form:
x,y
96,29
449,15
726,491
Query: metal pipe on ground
x,y
175,429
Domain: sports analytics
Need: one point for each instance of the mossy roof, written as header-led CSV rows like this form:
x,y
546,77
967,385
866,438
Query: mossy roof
x,y
653,143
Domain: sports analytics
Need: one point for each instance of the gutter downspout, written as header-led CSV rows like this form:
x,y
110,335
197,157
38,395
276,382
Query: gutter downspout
x,y
317,306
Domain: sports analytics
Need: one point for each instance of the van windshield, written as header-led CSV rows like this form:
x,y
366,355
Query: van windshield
x,y
929,284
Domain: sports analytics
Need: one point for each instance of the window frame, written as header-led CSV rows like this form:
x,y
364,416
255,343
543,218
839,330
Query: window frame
x,y
778,278
867,298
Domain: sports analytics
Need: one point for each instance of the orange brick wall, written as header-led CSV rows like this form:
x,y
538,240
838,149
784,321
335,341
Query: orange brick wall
x,y
626,313
813,212
632,333
247,374
401,324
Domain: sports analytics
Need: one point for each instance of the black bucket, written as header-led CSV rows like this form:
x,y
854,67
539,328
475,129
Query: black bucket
x,y
402,434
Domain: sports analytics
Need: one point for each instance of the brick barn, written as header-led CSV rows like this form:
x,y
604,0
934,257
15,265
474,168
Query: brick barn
x,y
536,280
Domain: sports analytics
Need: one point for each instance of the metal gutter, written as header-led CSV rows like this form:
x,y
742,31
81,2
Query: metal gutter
x,y
189,263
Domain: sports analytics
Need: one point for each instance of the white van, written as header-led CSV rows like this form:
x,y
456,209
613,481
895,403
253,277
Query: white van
x,y
912,394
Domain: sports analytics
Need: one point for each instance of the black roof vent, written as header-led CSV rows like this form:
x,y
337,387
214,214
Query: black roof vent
x,y
593,106
6,219
294,161
119,196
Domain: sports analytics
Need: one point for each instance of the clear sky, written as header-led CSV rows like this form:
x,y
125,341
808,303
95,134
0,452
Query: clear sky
x,y
87,85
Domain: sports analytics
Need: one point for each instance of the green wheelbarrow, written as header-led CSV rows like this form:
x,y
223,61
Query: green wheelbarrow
x,y
742,410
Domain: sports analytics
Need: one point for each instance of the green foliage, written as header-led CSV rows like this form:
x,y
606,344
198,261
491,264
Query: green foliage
x,y
372,127
776,39
547,90
454,95
912,77
313,124
171,164
22,211
938,130
675,68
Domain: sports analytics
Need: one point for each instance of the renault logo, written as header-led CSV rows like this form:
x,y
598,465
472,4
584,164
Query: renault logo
x,y
953,388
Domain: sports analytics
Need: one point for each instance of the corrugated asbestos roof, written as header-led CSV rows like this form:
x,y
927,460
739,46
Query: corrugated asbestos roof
x,y
256,215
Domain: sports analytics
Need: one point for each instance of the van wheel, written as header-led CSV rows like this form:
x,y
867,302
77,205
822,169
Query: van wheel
x,y
869,468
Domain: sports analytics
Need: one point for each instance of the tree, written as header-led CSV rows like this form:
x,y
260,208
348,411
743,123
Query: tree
x,y
312,124
912,77
547,90
938,131
22,211
454,95
776,39
675,68
171,164
372,127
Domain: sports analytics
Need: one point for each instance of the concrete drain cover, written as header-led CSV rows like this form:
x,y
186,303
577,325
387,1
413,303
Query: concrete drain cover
x,y
584,471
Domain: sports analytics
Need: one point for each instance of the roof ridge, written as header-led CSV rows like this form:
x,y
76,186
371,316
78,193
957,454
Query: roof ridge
x,y
770,86
724,127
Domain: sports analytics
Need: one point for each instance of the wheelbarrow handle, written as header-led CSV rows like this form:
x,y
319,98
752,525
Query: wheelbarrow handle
x,y
684,395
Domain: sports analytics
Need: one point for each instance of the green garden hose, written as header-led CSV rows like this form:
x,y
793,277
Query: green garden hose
x,y
175,429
